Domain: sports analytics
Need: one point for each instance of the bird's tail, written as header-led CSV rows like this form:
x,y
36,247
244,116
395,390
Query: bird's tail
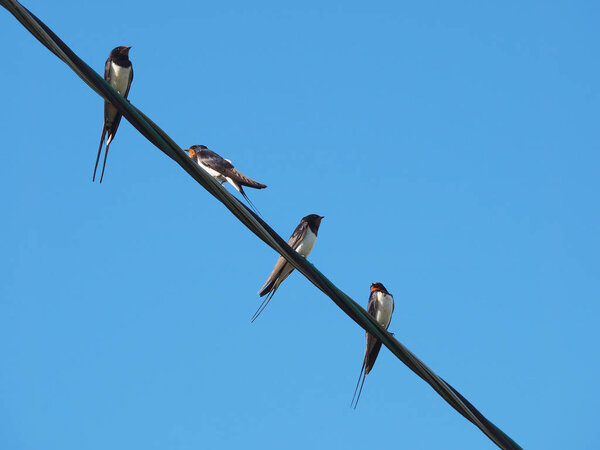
x,y
245,181
99,151
108,141
237,184
267,287
271,283
254,208
280,272
361,382
263,305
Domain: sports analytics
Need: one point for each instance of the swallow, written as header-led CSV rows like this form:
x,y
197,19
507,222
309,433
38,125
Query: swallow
x,y
381,307
118,72
222,170
302,240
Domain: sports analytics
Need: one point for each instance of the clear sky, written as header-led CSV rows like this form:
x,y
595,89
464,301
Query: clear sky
x,y
454,150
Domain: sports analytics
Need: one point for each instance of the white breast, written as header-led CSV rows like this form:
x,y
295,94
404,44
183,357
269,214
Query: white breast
x,y
384,308
307,243
119,77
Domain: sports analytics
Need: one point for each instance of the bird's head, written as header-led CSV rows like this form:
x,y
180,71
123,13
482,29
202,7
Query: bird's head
x,y
121,52
195,149
378,287
314,221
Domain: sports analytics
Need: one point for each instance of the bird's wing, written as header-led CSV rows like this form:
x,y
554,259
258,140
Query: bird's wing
x,y
270,283
214,161
373,344
372,303
242,179
293,242
129,82
298,235
109,110
371,352
107,70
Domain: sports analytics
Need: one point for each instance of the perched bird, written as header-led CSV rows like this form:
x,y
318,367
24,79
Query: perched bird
x,y
222,169
302,240
381,307
118,72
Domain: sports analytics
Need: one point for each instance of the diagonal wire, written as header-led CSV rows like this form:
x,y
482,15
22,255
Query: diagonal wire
x,y
258,226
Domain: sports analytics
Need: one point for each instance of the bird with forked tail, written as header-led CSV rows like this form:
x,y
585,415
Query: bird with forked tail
x,y
302,240
381,307
222,170
118,72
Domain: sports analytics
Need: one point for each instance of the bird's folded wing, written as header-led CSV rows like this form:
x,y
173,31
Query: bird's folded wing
x,y
277,270
243,179
297,236
212,160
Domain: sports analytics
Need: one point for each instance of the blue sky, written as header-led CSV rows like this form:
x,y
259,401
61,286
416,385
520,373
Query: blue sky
x,y
453,150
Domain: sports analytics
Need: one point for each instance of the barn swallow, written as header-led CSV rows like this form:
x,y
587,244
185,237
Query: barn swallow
x,y
302,240
222,170
381,307
118,72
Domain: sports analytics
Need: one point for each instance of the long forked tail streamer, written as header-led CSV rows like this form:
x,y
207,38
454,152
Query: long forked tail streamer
x,y
259,227
251,204
263,305
361,381
99,152
105,156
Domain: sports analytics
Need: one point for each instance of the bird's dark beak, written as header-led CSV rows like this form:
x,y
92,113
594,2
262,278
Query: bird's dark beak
x,y
322,217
